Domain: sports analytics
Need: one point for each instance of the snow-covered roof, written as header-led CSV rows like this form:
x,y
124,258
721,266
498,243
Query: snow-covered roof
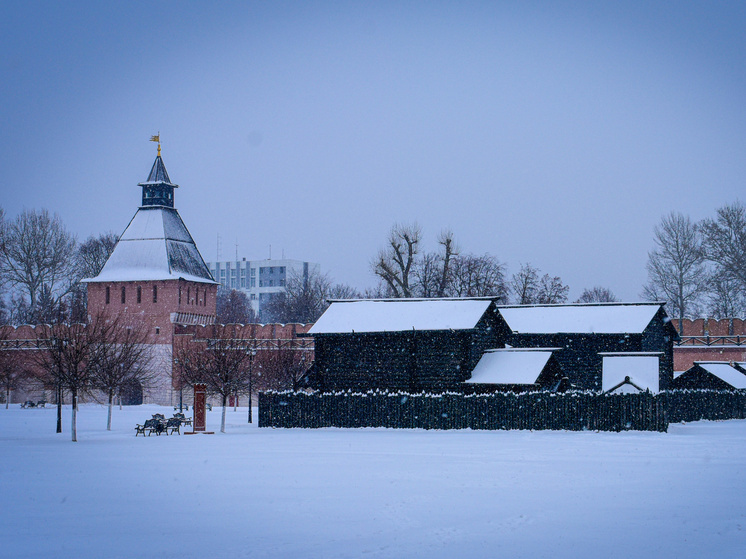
x,y
580,319
156,245
510,366
725,372
344,317
158,174
641,368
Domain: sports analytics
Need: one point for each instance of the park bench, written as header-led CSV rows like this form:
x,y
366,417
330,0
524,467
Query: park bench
x,y
173,424
151,426
41,404
28,404
183,419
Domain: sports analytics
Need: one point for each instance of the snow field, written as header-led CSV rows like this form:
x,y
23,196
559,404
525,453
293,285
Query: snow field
x,y
370,492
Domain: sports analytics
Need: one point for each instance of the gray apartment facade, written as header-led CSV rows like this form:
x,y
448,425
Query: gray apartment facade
x,y
260,279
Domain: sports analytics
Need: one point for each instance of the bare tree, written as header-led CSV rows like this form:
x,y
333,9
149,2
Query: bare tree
x,y
477,276
524,285
724,243
37,255
281,368
395,263
551,290
726,297
304,299
64,356
119,356
432,272
677,271
234,307
12,367
597,294
221,363
94,252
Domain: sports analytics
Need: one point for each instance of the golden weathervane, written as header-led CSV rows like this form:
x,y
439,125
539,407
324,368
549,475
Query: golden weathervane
x,y
157,138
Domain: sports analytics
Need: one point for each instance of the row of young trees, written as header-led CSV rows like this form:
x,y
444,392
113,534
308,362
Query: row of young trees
x,y
101,358
699,268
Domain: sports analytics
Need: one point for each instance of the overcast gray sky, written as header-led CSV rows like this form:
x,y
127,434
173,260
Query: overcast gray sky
x,y
552,133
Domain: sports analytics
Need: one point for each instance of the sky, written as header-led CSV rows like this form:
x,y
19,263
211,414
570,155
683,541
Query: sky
x,y
550,133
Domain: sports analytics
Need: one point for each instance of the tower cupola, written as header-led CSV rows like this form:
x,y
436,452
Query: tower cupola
x,y
158,190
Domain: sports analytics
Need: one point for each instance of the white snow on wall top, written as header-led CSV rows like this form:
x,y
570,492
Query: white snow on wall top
x,y
725,372
397,316
643,370
580,319
510,366
155,246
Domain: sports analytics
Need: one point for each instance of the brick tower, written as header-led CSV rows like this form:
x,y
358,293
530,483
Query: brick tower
x,y
156,274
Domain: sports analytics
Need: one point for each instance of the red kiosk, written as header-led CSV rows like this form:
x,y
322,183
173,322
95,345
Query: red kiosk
x,y
199,420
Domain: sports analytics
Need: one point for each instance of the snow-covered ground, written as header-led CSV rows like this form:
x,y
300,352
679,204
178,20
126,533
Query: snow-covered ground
x,y
366,493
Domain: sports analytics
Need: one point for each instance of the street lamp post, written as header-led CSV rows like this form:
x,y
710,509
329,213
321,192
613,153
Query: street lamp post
x,y
251,353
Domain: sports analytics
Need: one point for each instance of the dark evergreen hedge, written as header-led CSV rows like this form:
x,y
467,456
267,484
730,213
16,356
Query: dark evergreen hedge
x,y
574,411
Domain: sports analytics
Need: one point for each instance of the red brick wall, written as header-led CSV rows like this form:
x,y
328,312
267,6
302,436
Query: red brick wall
x,y
173,296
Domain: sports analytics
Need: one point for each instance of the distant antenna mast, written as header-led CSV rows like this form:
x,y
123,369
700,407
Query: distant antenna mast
x,y
270,252
217,257
236,249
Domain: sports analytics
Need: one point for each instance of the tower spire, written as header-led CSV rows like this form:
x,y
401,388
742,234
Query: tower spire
x,y
158,190
157,138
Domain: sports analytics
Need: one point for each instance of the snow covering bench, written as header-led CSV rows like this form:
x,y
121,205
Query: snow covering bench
x,y
151,426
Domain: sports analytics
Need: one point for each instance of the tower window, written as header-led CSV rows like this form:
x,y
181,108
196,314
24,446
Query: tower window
x,y
180,295
189,295
139,294
155,293
108,295
123,295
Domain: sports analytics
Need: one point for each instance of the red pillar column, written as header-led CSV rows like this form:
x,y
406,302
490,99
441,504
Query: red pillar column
x,y
199,420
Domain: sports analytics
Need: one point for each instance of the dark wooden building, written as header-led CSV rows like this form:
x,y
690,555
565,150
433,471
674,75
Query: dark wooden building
x,y
402,344
712,375
598,337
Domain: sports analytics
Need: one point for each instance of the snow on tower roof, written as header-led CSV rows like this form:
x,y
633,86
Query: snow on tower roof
x,y
510,366
156,245
725,372
158,173
596,318
344,317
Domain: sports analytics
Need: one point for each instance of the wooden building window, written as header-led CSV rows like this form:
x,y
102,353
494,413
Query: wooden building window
x,y
139,294
124,297
108,295
155,293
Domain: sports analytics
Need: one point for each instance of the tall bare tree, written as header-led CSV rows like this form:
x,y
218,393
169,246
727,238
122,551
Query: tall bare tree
x,y
524,285
221,363
724,243
37,255
477,276
64,357
726,297
677,271
119,356
395,263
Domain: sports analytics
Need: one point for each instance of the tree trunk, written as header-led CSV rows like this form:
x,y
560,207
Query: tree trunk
x,y
7,398
111,403
75,416
59,408
222,419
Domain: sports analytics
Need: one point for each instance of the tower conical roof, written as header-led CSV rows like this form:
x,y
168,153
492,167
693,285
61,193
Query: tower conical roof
x,y
158,173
